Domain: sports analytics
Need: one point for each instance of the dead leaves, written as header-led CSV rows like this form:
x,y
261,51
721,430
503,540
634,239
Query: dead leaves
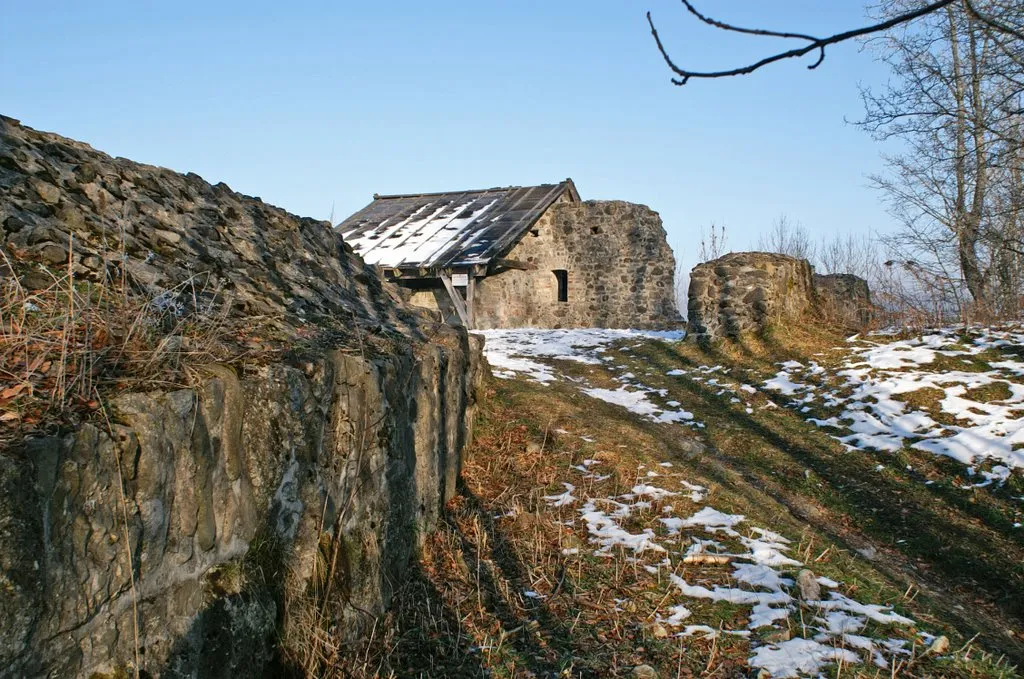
x,y
10,393
31,376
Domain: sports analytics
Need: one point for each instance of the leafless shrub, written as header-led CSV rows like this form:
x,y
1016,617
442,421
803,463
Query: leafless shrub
x,y
860,255
713,242
787,238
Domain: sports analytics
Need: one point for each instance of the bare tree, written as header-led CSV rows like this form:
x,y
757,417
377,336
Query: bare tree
x,y
859,255
954,103
998,25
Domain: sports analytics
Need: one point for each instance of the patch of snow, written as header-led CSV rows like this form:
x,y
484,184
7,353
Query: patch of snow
x,y
715,521
605,531
783,383
516,350
873,412
637,401
566,498
763,615
645,490
759,575
797,657
676,616
731,595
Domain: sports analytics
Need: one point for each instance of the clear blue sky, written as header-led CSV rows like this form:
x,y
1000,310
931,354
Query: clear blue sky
x,y
312,104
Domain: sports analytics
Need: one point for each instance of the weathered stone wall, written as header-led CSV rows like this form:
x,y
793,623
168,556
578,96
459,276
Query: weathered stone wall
x,y
220,498
845,298
745,291
619,265
230,491
177,237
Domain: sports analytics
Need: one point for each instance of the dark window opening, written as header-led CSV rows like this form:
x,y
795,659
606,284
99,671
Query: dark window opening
x,y
562,276
534,232
595,230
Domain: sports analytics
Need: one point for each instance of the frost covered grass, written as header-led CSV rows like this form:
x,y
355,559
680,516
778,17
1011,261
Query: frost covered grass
x,y
590,538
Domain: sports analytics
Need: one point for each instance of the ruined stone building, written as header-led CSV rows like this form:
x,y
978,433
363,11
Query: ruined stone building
x,y
521,256
748,292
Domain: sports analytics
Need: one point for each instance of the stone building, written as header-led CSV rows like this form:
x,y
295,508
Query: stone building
x,y
530,256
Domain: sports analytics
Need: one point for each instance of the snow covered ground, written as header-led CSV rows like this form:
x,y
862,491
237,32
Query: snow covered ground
x,y
666,530
529,353
696,553
976,383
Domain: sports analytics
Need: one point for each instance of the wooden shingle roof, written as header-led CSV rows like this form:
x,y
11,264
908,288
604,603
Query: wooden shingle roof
x,y
435,231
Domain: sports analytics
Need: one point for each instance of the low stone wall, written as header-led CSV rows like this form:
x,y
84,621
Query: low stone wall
x,y
845,298
187,527
745,291
619,268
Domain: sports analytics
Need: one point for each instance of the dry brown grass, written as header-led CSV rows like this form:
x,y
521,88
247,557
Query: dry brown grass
x,y
64,345
463,613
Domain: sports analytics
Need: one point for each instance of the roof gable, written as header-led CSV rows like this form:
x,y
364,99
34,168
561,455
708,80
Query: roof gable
x,y
444,230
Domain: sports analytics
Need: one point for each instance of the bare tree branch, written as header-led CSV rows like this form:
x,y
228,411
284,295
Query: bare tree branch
x,y
749,31
991,22
813,43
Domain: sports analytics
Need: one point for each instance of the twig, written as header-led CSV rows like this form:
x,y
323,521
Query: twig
x,y
124,525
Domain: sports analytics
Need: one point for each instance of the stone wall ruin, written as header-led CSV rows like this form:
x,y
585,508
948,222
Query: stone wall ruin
x,y
193,513
745,292
845,298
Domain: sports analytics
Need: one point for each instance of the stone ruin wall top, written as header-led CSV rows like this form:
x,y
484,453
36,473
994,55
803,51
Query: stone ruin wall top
x,y
745,292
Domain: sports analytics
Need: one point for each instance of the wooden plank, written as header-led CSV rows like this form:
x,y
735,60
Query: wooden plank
x,y
460,305
470,294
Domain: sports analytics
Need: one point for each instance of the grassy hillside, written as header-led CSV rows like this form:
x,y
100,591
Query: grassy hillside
x,y
709,529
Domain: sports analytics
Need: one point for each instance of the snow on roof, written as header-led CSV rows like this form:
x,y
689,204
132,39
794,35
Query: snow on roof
x,y
442,230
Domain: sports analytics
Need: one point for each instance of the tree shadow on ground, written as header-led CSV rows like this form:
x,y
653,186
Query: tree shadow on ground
x,y
936,531
238,635
542,640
